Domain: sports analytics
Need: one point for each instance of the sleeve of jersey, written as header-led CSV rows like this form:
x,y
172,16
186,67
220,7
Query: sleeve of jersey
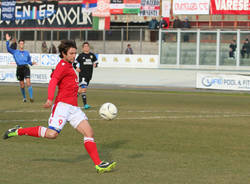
x,y
95,60
51,89
10,50
57,75
76,63
29,59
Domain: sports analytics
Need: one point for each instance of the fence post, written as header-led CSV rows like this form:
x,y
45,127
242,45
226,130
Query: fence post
x,y
51,38
159,45
35,41
86,35
69,34
18,34
140,40
122,35
104,41
2,39
238,49
198,41
178,47
218,49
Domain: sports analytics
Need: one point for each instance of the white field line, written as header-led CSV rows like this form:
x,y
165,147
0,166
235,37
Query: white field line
x,y
129,111
144,118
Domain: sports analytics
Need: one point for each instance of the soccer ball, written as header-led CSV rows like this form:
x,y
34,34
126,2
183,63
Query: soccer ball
x,y
108,111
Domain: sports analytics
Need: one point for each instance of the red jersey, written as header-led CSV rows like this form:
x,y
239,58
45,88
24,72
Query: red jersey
x,y
65,77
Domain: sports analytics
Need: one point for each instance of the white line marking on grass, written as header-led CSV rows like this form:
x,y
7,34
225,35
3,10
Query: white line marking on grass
x,y
132,111
143,118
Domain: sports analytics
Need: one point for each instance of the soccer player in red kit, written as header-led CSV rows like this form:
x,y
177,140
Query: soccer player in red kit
x,y
65,108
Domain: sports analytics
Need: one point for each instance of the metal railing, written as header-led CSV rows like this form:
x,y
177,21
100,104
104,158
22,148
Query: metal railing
x,y
105,42
203,48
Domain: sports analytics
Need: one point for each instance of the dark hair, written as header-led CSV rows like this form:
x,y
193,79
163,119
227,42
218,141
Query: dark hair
x,y
64,46
85,43
21,41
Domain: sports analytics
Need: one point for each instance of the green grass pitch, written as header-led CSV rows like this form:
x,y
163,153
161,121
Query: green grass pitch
x,y
159,137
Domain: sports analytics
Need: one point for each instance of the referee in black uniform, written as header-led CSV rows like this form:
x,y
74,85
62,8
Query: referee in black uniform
x,y
85,62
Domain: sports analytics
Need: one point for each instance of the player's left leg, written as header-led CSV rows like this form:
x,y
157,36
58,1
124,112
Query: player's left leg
x,y
80,121
26,72
30,89
82,91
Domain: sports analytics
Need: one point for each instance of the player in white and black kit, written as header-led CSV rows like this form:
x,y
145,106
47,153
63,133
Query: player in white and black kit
x,y
85,62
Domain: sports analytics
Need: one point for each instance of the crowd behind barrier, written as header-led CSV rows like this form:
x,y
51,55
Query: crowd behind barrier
x,y
179,47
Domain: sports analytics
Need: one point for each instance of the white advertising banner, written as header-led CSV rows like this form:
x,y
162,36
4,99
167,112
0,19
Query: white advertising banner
x,y
37,75
165,9
223,81
105,60
193,7
128,61
40,59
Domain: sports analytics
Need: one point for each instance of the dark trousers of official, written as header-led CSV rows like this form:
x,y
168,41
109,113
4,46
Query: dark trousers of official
x,y
153,36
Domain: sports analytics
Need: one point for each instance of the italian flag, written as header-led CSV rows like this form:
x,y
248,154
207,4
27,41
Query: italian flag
x,y
101,23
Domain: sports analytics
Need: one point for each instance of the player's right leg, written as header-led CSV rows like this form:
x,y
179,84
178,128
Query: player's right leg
x,y
56,123
37,131
20,78
27,78
22,88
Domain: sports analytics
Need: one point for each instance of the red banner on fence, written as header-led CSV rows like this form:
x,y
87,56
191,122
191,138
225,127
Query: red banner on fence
x,y
230,7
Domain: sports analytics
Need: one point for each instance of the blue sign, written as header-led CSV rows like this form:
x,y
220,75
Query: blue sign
x,y
8,10
209,81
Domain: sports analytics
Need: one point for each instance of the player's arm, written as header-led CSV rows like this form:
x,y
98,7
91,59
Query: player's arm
x,y
95,61
29,60
10,50
56,76
76,64
51,91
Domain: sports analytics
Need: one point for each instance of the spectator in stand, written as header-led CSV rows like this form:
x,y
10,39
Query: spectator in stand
x,y
177,23
153,25
162,23
129,50
186,25
245,49
52,49
44,47
232,49
13,44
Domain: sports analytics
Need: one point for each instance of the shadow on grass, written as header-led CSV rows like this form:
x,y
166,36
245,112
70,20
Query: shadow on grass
x,y
107,149
105,152
135,156
77,159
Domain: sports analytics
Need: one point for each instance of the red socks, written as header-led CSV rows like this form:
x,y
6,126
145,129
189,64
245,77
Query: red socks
x,y
91,148
37,131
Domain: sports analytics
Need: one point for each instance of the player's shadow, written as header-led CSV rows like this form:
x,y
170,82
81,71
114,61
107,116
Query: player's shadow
x,y
77,159
105,151
108,148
